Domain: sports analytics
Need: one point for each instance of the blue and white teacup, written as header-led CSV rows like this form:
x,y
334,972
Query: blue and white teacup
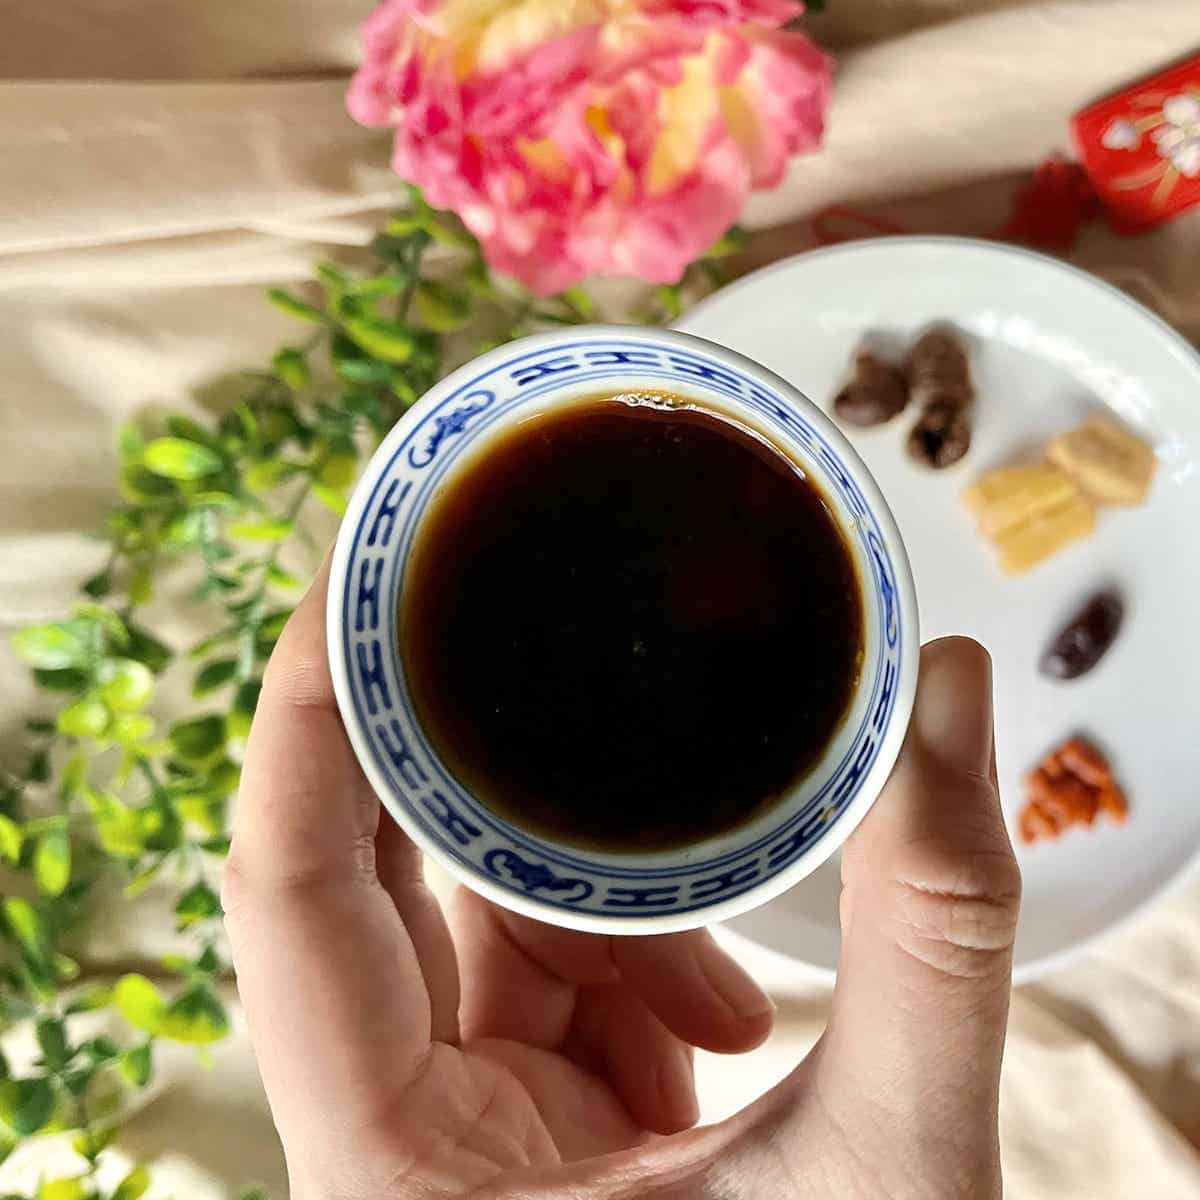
x,y
602,891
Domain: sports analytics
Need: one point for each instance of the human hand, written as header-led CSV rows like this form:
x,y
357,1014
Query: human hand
x,y
406,1055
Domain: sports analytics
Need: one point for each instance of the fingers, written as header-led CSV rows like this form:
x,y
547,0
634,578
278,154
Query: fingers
x,y
692,986
696,990
331,980
398,865
627,1009
929,909
648,1067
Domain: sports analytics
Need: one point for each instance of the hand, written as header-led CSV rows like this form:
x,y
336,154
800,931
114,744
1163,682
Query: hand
x,y
406,1055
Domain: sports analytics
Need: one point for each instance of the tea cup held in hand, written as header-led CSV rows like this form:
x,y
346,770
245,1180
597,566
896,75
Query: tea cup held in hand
x,y
440,792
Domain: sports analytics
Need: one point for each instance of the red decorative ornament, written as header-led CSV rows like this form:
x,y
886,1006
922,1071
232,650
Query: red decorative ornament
x,y
1141,147
1050,208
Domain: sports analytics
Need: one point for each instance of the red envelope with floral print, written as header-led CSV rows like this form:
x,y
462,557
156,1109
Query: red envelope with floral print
x,y
1141,147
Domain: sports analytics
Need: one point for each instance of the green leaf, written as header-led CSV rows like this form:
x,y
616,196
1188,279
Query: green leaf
x,y
52,862
734,239
332,498
362,370
254,1194
332,278
193,431
26,1105
580,301
134,1185
68,679
139,1002
293,306
388,340
262,476
38,770
220,638
218,846
131,729
290,365
141,881
139,484
225,777
92,998
281,578
99,585
448,235
25,924
406,225
379,286
161,827
338,470
246,700
125,684
197,738
189,528
52,1041
137,1065
198,903
440,307
197,1018
670,299
74,773
67,1188
85,718
101,1049
39,725
274,529
178,458
51,647
118,827
92,1143
273,624
141,584
207,812
146,648
214,675
208,962
112,628
10,839
130,442
66,968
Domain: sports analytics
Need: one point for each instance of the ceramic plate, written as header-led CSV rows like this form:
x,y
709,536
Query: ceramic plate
x,y
1048,345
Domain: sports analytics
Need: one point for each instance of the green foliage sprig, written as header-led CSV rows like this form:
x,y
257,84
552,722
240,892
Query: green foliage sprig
x,y
106,791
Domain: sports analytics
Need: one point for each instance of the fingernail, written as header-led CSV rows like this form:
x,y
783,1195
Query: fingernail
x,y
733,985
677,1090
953,716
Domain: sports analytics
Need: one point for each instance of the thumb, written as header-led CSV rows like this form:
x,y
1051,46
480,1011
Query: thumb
x,y
931,890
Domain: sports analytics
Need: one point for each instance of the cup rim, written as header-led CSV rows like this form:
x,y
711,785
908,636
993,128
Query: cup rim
x,y
530,903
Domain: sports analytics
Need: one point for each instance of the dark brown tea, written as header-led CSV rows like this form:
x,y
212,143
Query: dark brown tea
x,y
630,624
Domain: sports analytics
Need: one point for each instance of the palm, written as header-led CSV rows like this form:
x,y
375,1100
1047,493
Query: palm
x,y
548,1055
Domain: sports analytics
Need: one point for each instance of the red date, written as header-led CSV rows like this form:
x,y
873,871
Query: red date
x,y
1083,642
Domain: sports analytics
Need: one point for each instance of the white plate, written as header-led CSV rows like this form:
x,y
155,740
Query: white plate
x,y
1048,344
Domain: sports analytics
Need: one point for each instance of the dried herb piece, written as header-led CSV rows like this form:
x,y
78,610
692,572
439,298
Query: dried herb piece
x,y
876,393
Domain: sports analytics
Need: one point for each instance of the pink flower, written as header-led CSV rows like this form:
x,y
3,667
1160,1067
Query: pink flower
x,y
578,137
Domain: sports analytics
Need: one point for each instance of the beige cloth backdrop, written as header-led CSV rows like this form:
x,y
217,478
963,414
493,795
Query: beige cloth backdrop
x,y
161,162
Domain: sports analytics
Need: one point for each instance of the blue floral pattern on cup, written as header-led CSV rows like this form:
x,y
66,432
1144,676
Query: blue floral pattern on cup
x,y
380,532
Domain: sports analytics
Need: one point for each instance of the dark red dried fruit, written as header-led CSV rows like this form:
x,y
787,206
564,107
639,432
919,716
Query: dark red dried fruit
x,y
1083,642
